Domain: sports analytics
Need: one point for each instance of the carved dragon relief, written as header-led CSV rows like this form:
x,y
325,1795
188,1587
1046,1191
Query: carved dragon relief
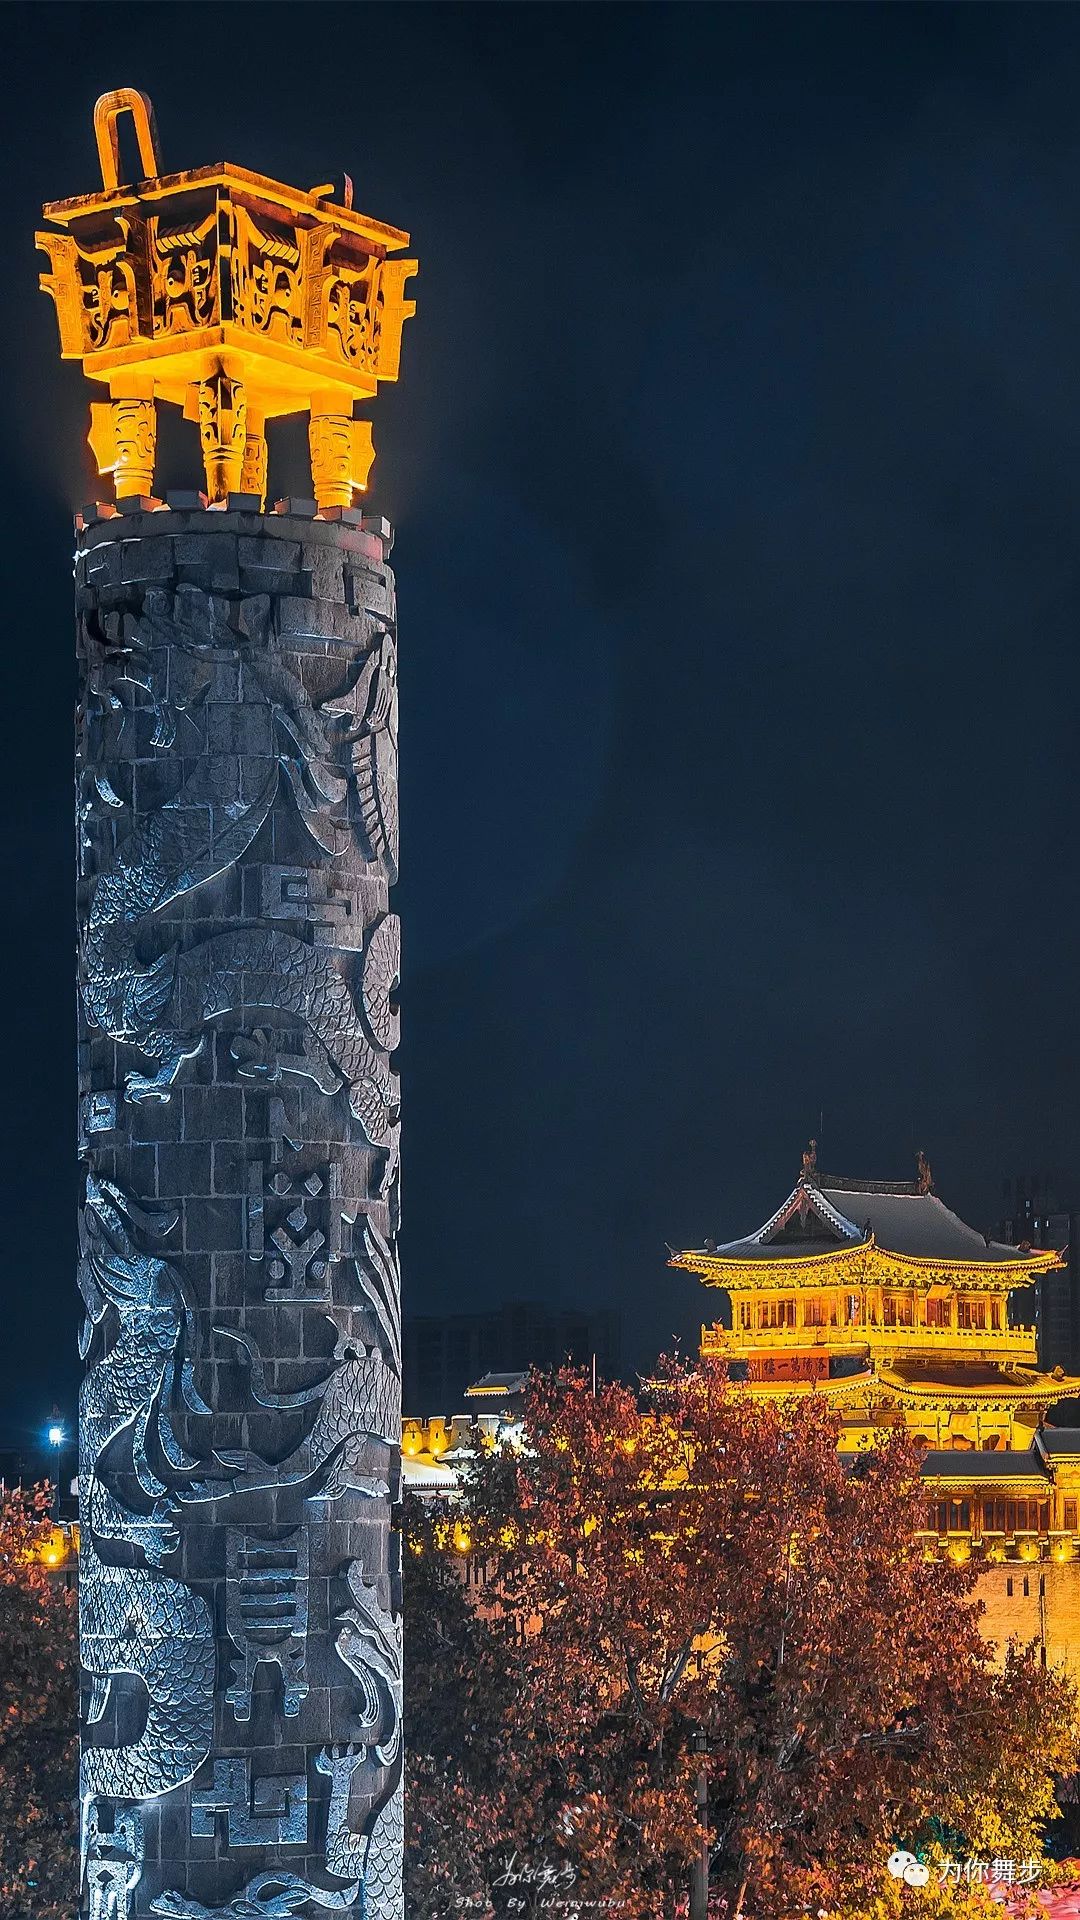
x,y
369,1644
358,1401
339,762
162,1006
269,1896
147,1369
359,1413
135,1620
169,1629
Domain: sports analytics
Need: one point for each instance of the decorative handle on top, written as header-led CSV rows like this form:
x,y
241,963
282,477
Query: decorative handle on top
x,y
106,115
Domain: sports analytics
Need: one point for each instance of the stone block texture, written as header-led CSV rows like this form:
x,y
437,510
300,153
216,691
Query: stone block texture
x,y
1034,1601
239,1134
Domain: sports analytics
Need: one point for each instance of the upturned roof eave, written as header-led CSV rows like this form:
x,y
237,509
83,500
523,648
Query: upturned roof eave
x,y
1018,1395
707,1262
754,1258
880,1387
720,1267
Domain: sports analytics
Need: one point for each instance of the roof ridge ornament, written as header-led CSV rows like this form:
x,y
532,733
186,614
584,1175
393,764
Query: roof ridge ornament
x,y
925,1177
809,1162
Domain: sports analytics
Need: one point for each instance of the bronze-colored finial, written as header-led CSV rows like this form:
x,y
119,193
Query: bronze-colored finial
x,y
925,1176
231,296
809,1161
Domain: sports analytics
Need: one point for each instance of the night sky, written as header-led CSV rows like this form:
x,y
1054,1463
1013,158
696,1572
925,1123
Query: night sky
x,y
736,473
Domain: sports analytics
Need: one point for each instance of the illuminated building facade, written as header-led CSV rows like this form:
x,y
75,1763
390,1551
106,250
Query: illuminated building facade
x,y
876,1295
240,1623
435,1448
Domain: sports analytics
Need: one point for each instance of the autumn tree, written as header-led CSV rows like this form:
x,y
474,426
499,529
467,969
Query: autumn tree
x,y
38,1724
459,1725
715,1564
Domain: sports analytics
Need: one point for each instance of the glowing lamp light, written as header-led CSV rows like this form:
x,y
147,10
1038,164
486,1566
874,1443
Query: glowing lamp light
x,y
53,1550
56,1436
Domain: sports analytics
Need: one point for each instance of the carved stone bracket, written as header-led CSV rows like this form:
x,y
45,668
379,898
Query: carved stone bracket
x,y
342,455
220,407
123,441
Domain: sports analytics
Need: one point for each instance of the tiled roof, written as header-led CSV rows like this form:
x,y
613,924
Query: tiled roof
x,y
915,1223
824,1215
983,1376
1007,1463
496,1383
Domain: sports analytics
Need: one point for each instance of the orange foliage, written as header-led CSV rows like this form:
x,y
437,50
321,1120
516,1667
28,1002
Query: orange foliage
x,y
38,1714
722,1567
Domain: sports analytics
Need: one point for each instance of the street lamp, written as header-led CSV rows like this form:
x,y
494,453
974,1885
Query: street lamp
x,y
57,1437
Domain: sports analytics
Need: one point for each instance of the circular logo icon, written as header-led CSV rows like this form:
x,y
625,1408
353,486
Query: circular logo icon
x,y
904,1866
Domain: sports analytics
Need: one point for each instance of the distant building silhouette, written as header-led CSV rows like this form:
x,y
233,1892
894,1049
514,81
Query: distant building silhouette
x,y
12,1469
442,1354
1043,1210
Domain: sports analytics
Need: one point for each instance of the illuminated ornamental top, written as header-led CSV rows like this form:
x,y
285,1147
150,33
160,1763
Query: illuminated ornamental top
x,y
233,297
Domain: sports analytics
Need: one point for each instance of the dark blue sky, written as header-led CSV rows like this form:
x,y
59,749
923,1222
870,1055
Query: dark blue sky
x,y
736,471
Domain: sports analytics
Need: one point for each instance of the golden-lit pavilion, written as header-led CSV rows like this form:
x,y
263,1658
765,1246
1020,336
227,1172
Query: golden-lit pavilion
x,y
877,1295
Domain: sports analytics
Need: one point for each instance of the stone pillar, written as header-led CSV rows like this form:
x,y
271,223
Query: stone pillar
x,y
240,1414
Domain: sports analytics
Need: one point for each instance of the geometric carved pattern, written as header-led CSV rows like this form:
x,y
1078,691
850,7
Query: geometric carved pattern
x,y
266,1611
271,1811
239,1130
296,1256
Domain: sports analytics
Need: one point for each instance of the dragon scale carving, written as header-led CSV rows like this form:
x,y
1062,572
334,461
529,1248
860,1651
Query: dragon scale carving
x,y
161,1007
241,1408
133,1619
